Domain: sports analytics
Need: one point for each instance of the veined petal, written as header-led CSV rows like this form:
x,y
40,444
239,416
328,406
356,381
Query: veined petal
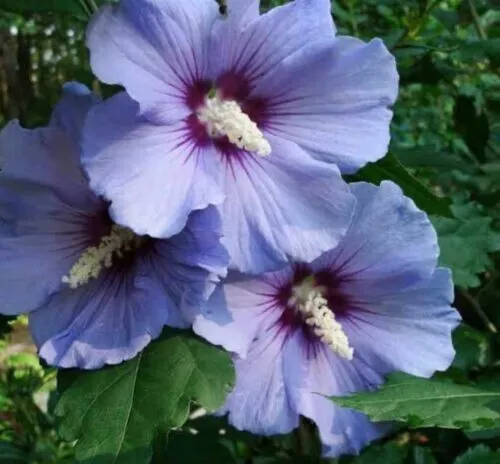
x,y
40,241
242,11
285,207
259,402
256,48
239,310
45,156
191,264
312,377
106,321
70,112
336,106
390,243
407,331
152,174
155,49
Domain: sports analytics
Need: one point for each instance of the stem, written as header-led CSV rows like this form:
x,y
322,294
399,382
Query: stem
x,y
479,311
93,6
86,8
354,23
412,31
477,20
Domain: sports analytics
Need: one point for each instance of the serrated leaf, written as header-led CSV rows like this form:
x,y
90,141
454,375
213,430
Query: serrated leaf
x,y
427,403
116,412
465,245
389,168
478,455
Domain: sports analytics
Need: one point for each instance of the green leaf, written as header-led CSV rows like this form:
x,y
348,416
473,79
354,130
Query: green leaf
x,y
74,7
390,453
421,455
478,455
5,327
10,454
474,348
426,403
465,245
417,157
389,168
472,125
189,448
116,412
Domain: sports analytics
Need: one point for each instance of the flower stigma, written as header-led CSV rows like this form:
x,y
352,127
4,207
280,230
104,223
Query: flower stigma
x,y
95,258
226,118
309,302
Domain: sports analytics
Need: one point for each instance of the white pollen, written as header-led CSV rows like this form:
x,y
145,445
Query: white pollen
x,y
313,307
226,118
95,258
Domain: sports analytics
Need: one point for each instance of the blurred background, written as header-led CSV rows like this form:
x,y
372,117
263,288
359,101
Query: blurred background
x,y
446,133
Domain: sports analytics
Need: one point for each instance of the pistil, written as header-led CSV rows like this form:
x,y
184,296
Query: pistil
x,y
313,307
226,118
96,258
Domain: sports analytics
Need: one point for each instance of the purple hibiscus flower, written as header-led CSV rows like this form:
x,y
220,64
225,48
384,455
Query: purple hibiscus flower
x,y
373,305
96,292
256,110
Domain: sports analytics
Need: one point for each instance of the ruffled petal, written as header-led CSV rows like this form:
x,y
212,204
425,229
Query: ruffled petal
x,y
285,207
46,208
153,175
41,238
408,331
391,244
70,112
311,377
191,264
259,402
335,106
155,49
106,321
239,310
242,11
46,156
256,48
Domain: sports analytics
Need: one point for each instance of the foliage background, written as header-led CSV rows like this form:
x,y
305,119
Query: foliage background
x,y
445,132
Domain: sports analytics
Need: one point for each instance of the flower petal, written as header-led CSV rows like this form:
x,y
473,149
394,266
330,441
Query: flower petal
x,y
45,206
191,264
154,49
337,105
259,402
41,238
391,244
285,207
242,11
106,321
408,331
45,156
70,112
312,377
238,310
152,175
256,48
